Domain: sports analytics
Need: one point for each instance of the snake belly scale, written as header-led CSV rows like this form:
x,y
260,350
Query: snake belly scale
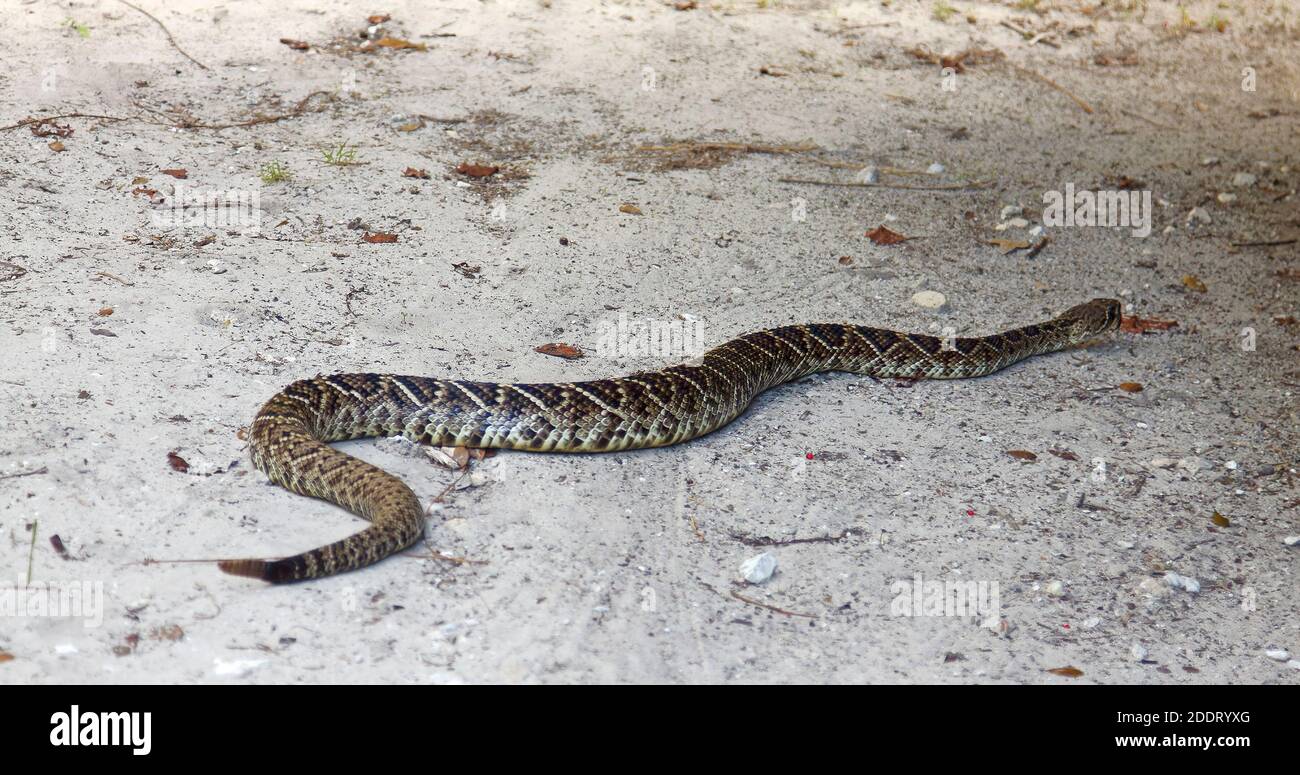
x,y
290,435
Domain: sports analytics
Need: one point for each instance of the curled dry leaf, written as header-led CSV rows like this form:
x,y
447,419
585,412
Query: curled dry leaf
x,y
629,208
846,260
1022,454
177,462
105,312
57,147
1008,245
454,458
179,174
398,43
378,18
1194,283
296,45
466,269
48,127
477,170
172,632
1063,454
1220,520
560,350
412,172
5,656
1131,387
1135,325
1069,671
379,237
882,236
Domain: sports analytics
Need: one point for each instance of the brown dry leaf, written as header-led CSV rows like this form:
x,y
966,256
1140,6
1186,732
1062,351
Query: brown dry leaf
x,y
846,260
1022,454
1220,520
411,126
296,45
177,462
765,70
48,127
1008,245
1131,387
1193,283
379,237
242,434
477,170
57,543
882,236
5,656
1063,454
1069,671
412,172
560,350
1285,320
455,458
179,174
466,269
57,147
1135,325
172,632
105,312
398,43
629,208
378,18
687,5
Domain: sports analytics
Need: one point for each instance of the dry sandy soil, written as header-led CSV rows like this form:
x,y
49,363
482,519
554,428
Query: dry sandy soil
x,y
129,335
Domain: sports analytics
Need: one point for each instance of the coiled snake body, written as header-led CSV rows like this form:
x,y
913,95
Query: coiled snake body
x,y
290,434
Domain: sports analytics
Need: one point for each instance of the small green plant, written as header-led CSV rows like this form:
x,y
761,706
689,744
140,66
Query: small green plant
x,y
942,11
340,155
81,29
1217,23
275,172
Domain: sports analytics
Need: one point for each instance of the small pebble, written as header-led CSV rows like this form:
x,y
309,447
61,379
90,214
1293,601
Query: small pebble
x,y
1281,655
1198,215
1164,462
1010,211
1291,540
1138,652
1294,664
869,175
1017,223
1183,582
1231,465
1091,622
1226,198
758,569
935,169
1209,161
929,299
1037,231
1243,180
1055,588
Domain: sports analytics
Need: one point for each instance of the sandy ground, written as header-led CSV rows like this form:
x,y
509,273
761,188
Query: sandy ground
x,y
127,337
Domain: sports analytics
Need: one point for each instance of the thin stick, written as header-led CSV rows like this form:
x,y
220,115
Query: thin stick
x,y
1077,99
760,604
112,276
41,470
42,120
746,147
1150,121
955,187
166,32
1273,243
763,541
187,123
31,553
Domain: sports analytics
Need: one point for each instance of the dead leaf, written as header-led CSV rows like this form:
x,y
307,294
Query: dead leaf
x,y
1022,454
1193,283
846,260
1131,387
1063,454
379,237
629,208
397,43
5,656
1068,671
48,127
242,434
57,147
179,174
177,462
687,5
765,70
412,172
172,632
455,458
469,271
57,543
1136,325
560,350
296,45
378,18
882,236
105,312
1220,520
477,170
1008,245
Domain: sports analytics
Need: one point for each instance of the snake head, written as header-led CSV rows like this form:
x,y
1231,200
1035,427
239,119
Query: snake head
x,y
1093,318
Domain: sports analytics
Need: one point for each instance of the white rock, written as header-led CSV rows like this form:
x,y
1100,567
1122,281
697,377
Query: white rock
x,y
1037,231
1243,180
1294,664
1010,211
235,667
1209,161
935,169
1017,223
1187,583
1138,652
869,175
1226,198
1231,465
1054,588
1193,465
1291,540
65,648
1164,462
929,299
758,569
1091,622
1198,215
1281,655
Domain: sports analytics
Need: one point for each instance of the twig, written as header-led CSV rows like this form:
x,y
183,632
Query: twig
x,y
760,604
764,541
744,147
30,121
41,470
1077,99
112,276
189,123
166,32
976,186
1266,244
1150,121
31,552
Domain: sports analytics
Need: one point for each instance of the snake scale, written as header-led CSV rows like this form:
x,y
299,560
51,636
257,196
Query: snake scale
x,y
289,436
